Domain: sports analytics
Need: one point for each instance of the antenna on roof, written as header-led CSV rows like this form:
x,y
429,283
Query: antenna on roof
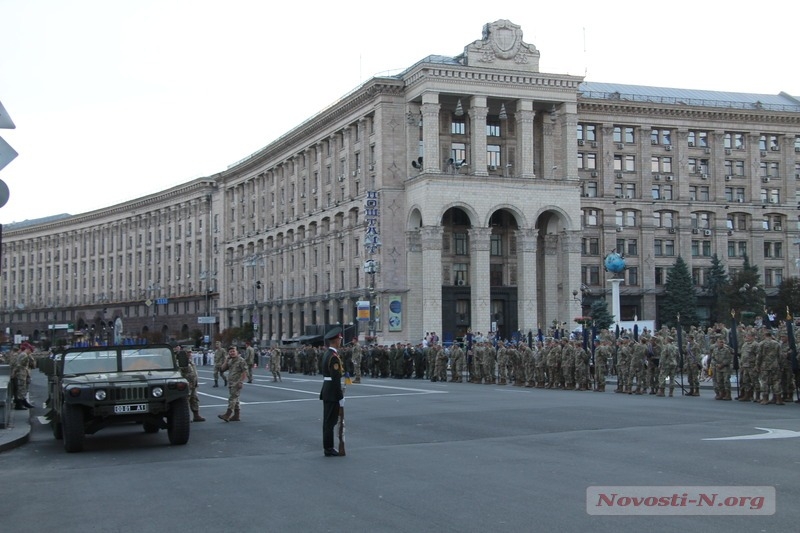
x,y
585,62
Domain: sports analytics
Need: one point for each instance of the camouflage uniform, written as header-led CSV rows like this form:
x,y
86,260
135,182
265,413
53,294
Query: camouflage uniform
x,y
440,373
768,368
488,362
580,359
249,357
638,356
21,373
623,365
787,374
237,373
668,364
219,360
528,363
189,373
456,363
357,355
692,365
503,360
567,365
553,365
540,365
601,356
721,360
275,361
747,361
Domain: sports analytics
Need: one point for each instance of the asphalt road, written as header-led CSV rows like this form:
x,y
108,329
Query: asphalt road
x,y
421,456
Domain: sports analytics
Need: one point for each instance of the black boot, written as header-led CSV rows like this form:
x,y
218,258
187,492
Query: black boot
x,y
27,404
18,405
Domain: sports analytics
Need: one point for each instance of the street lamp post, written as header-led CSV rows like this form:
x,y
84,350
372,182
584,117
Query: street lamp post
x,y
371,268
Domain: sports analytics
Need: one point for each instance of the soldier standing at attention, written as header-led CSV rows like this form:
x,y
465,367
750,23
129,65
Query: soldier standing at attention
x,y
456,363
237,372
357,356
189,373
21,375
747,361
668,363
275,364
250,359
602,354
331,394
638,357
692,365
219,360
768,368
722,361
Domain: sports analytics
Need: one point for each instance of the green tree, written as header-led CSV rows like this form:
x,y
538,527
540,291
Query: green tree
x,y
679,296
789,297
745,294
600,315
716,288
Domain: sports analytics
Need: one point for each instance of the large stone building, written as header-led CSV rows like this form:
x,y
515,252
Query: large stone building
x,y
465,192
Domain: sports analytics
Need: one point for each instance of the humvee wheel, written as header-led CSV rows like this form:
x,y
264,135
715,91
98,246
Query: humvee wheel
x,y
178,421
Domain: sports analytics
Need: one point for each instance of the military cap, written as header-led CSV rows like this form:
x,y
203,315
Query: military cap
x,y
333,334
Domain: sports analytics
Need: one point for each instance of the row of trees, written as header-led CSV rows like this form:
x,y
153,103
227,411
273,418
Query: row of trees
x,y
740,292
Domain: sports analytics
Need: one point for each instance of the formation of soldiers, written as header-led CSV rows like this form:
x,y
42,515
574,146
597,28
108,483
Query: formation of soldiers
x,y
650,363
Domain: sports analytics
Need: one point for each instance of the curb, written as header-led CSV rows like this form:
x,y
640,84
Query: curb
x,y
17,434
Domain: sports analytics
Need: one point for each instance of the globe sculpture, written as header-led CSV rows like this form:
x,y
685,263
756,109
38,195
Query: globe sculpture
x,y
614,263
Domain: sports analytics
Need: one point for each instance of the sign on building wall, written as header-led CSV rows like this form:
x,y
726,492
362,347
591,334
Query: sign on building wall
x,y
395,313
372,237
363,310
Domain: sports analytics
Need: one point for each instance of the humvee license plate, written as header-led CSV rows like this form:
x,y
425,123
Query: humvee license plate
x,y
131,408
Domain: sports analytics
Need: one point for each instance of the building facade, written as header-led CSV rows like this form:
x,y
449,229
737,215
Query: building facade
x,y
469,192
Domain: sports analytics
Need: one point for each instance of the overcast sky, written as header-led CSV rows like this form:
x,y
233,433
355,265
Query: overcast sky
x,y
113,99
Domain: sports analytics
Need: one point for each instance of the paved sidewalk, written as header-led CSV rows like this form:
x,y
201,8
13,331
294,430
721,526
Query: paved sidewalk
x,y
19,429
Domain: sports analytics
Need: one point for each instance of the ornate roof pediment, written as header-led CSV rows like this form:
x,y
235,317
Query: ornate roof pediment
x,y
502,47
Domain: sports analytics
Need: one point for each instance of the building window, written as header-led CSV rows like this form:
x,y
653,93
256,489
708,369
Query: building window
x,y
624,134
590,275
458,126
590,246
660,137
773,277
590,189
773,249
660,277
590,217
631,276
496,245
493,155
628,247
458,151
587,132
492,128
626,217
587,161
460,271
460,244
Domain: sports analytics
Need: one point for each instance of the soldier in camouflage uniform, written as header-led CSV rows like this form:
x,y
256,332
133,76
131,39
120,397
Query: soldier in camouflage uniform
x,y
721,360
189,373
357,355
768,368
747,361
528,363
622,363
787,374
638,357
567,365
489,361
668,364
580,359
219,360
602,354
21,374
249,357
553,364
456,363
503,360
692,365
652,359
237,373
275,361
540,365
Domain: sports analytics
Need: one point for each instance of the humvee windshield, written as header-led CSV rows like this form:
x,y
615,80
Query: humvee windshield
x,y
104,361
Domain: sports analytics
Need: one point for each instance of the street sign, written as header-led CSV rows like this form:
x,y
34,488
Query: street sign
x,y
162,301
206,320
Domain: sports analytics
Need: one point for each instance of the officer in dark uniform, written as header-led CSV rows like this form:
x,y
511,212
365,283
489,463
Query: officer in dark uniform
x,y
331,393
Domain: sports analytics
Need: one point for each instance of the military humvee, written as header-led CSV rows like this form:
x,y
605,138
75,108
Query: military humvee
x,y
96,387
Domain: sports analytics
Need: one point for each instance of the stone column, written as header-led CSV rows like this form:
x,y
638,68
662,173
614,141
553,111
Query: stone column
x,y
477,114
431,240
525,149
430,133
570,275
526,279
549,277
479,241
568,165
415,301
